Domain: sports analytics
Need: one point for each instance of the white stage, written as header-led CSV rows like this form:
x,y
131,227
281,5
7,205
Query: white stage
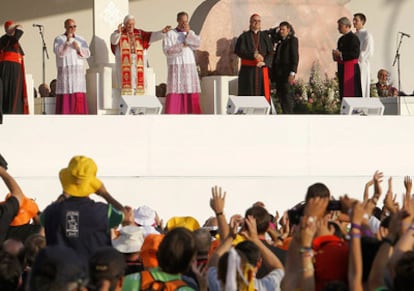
x,y
170,162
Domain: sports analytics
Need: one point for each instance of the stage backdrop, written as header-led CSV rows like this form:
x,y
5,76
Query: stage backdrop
x,y
219,22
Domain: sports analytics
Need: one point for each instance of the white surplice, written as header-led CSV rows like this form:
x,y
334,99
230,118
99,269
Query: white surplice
x,y
179,48
367,50
70,64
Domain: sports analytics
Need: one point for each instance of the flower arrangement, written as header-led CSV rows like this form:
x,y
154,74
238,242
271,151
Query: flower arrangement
x,y
318,96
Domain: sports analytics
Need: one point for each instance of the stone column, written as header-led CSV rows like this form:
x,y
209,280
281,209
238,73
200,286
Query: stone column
x,y
102,98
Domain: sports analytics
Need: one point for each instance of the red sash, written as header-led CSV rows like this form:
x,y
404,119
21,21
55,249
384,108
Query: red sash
x,y
11,57
265,71
17,58
249,63
349,77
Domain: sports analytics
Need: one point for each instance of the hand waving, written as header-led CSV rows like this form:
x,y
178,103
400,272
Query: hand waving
x,y
217,199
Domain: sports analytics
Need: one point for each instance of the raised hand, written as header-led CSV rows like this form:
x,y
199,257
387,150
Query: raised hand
x,y
358,212
159,221
408,184
120,27
235,222
378,176
200,272
389,202
316,207
366,190
285,225
69,36
217,199
129,218
250,232
166,29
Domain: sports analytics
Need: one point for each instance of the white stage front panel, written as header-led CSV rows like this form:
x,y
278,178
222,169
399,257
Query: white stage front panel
x,y
170,162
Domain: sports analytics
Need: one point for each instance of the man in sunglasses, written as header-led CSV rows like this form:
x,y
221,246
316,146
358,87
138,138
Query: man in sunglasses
x,y
71,51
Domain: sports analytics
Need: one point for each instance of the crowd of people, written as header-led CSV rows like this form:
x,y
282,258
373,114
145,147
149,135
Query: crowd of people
x,y
266,57
322,243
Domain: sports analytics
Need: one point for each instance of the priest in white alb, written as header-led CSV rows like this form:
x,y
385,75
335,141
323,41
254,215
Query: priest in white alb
x,y
71,51
183,85
367,50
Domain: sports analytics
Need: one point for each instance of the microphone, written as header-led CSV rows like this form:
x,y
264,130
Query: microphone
x,y
404,34
37,25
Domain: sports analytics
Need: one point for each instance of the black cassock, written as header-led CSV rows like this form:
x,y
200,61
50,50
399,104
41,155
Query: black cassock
x,y
250,76
12,75
349,74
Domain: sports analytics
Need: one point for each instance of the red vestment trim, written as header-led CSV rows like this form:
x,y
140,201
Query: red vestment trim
x,y
266,83
250,63
11,57
140,42
17,58
265,71
349,77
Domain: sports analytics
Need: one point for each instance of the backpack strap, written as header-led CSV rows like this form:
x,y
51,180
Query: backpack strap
x,y
174,285
148,282
153,280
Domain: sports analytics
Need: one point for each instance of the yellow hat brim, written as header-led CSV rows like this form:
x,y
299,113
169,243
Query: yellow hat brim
x,y
76,187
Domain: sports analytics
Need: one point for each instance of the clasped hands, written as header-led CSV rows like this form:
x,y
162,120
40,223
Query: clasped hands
x,y
260,60
336,55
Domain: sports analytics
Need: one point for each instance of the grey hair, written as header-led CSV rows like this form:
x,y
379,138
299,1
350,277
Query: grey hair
x,y
345,21
128,17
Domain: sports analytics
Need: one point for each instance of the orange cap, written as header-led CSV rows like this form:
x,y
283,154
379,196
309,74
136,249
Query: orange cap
x,y
27,210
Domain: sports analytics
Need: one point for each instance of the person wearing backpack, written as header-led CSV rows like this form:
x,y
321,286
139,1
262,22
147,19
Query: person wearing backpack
x,y
175,254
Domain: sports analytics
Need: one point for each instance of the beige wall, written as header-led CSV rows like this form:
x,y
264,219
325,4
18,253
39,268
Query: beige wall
x,y
51,14
385,19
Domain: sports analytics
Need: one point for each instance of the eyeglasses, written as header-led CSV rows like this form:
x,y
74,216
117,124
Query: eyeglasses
x,y
72,26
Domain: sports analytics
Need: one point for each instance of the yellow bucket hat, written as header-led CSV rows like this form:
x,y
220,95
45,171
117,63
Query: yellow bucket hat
x,y
188,222
79,178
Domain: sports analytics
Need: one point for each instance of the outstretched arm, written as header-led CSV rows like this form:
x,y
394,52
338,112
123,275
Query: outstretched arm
x,y
269,258
378,176
11,184
306,234
389,199
158,35
355,254
379,266
110,200
225,243
217,205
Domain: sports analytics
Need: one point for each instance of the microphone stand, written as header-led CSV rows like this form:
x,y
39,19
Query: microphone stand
x,y
397,60
44,53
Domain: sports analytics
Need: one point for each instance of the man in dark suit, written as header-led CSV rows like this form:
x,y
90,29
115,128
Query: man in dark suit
x,y
285,63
